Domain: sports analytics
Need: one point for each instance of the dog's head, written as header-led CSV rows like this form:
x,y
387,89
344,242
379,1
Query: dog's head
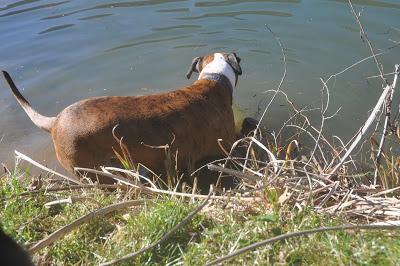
x,y
227,64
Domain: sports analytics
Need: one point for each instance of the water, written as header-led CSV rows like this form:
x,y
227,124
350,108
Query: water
x,y
63,51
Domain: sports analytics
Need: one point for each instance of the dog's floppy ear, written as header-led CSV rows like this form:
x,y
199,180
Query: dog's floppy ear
x,y
194,67
234,61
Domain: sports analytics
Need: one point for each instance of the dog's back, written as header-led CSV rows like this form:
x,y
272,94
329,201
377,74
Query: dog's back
x,y
190,120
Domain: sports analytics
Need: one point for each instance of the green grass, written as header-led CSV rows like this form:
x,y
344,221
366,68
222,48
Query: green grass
x,y
213,233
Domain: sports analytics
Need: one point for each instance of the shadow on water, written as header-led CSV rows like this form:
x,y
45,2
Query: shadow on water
x,y
173,10
18,3
95,16
147,42
60,27
236,14
198,45
11,13
235,2
129,4
177,27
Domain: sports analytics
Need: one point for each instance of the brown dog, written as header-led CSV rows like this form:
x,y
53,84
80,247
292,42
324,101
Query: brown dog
x,y
190,119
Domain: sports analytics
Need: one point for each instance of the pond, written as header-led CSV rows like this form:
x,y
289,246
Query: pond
x,y
62,51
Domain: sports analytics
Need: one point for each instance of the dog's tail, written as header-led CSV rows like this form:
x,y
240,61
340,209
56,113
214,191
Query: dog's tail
x,y
43,122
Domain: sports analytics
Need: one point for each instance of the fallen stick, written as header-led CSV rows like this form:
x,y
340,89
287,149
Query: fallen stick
x,y
165,237
56,235
302,233
58,189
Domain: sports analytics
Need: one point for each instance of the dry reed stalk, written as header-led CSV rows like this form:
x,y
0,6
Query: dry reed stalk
x,y
132,173
362,132
21,156
388,108
161,191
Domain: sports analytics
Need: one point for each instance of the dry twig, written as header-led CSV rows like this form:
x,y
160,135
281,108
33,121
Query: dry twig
x,y
29,160
276,92
371,48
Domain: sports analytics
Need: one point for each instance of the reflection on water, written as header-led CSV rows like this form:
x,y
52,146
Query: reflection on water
x,y
63,51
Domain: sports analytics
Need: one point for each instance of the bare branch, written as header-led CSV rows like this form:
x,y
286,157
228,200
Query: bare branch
x,y
371,48
276,92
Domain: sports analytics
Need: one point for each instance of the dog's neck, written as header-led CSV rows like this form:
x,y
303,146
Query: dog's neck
x,y
219,67
222,81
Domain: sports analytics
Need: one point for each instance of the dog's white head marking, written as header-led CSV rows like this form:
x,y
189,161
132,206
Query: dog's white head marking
x,y
219,66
